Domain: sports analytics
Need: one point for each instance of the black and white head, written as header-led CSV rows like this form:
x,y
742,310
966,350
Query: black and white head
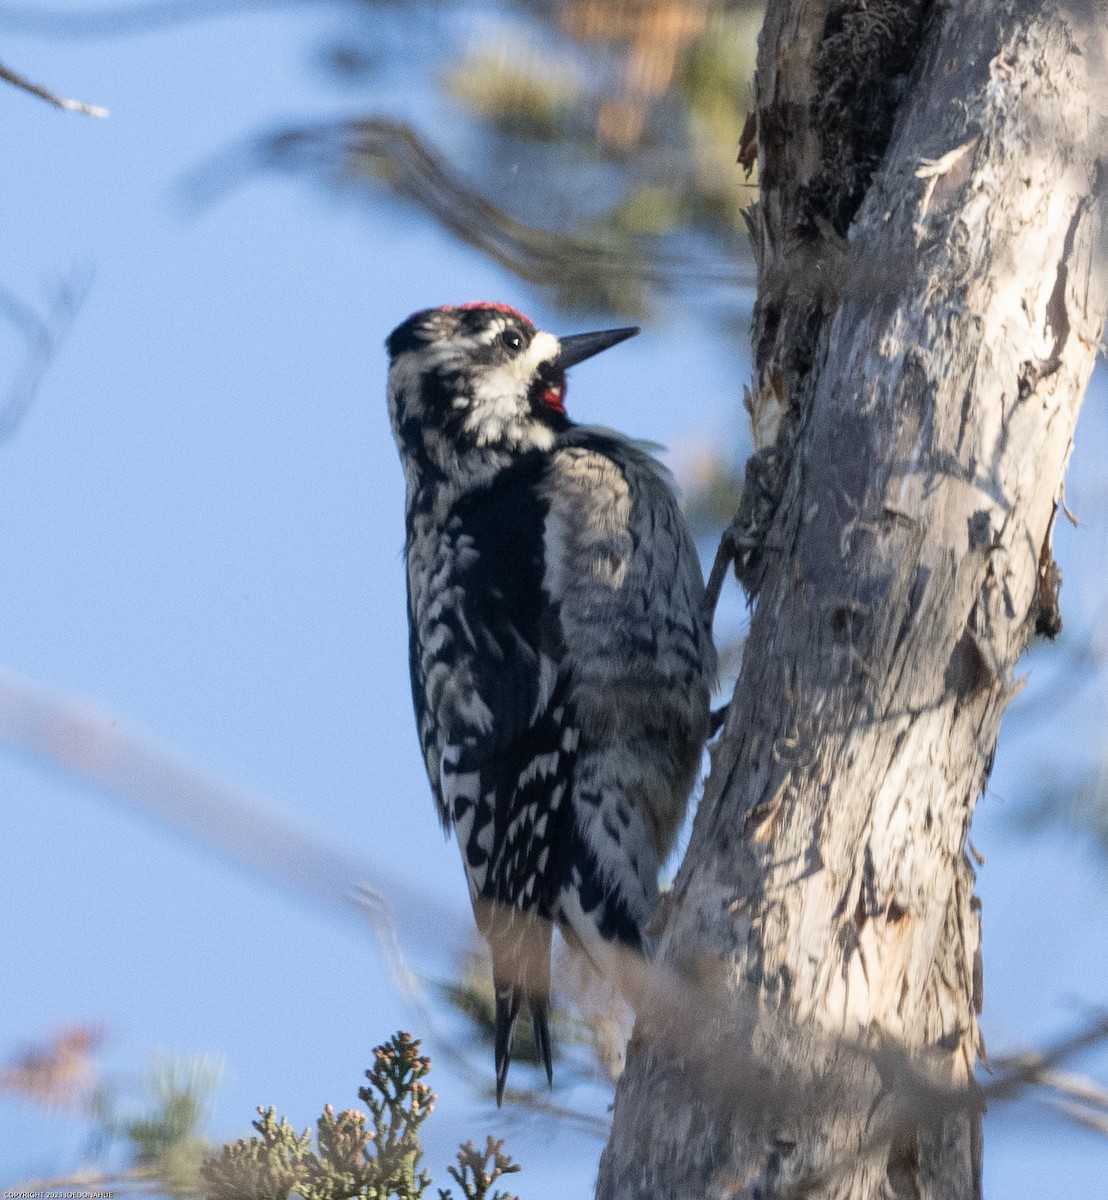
x,y
480,380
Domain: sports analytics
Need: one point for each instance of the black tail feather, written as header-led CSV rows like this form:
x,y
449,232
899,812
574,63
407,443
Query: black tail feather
x,y
540,1026
520,946
507,1009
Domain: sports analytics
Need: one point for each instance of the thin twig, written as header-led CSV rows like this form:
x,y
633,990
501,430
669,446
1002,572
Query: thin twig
x,y
725,556
43,338
1021,1070
1079,1115
1075,1087
24,84
1076,1098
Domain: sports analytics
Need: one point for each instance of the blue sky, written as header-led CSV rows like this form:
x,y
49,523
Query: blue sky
x,y
200,531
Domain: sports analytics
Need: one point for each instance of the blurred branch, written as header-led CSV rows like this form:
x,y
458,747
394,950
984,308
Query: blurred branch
x,y
707,1030
1079,1100
42,338
685,1016
1017,1071
112,20
24,84
134,1182
393,152
98,749
924,1103
94,747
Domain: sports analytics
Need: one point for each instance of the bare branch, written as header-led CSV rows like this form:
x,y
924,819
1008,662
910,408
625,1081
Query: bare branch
x,y
24,84
725,556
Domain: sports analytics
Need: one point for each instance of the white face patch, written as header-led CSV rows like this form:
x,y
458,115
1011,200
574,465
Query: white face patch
x,y
500,411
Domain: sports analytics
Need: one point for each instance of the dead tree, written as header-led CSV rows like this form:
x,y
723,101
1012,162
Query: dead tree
x,y
932,296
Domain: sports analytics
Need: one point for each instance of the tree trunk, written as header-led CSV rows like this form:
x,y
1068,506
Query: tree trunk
x,y
932,294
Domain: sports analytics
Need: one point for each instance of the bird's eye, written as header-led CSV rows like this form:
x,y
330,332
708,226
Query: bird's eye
x,y
510,339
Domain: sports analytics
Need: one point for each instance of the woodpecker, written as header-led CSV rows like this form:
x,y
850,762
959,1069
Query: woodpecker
x,y
560,658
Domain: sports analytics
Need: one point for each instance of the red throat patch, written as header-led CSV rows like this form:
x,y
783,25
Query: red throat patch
x,y
555,399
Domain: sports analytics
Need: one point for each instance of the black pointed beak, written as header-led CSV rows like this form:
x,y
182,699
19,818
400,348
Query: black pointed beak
x,y
579,346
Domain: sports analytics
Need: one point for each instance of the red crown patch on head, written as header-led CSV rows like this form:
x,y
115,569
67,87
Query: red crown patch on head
x,y
494,305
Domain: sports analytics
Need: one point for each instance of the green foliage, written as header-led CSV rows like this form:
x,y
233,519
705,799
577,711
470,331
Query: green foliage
x,y
181,1090
368,1157
473,1174
164,1141
503,87
647,113
265,1168
648,211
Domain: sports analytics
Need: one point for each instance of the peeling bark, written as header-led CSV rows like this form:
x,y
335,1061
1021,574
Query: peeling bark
x,y
932,298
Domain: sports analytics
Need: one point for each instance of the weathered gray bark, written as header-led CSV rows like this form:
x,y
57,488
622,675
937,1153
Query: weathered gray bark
x,y
928,368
